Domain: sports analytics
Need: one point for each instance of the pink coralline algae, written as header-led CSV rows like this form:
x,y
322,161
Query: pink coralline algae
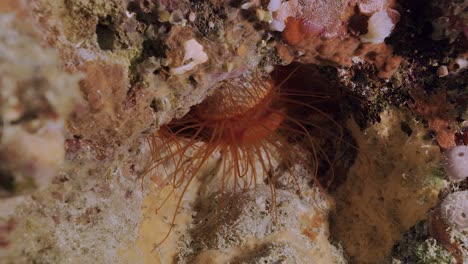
x,y
369,7
319,17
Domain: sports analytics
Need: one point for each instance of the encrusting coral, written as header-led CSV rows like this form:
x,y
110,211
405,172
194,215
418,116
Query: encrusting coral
x,y
455,210
448,224
439,114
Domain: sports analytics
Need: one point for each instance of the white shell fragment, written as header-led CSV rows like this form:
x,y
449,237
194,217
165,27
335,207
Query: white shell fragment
x,y
194,55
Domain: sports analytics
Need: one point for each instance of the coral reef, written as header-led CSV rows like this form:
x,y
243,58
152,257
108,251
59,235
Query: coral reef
x,y
376,175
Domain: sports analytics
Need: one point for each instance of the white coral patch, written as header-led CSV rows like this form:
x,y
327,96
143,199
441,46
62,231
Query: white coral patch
x,y
194,55
379,27
455,210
